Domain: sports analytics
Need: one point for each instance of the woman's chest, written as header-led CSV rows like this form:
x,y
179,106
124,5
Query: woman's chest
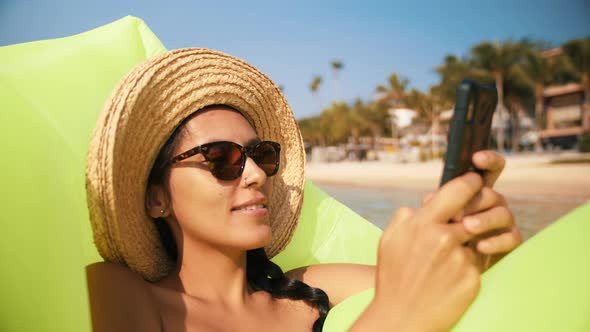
x,y
275,315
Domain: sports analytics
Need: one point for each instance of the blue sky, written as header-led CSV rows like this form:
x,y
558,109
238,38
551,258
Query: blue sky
x,y
292,41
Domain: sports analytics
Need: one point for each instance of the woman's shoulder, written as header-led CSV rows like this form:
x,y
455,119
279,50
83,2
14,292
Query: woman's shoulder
x,y
339,281
112,270
112,277
120,299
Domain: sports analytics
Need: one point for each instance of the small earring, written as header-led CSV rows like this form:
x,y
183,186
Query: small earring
x,y
162,212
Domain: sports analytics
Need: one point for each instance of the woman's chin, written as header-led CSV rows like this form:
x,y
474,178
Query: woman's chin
x,y
261,237
248,233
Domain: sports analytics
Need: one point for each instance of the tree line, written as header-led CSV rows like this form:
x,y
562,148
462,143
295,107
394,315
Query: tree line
x,y
520,70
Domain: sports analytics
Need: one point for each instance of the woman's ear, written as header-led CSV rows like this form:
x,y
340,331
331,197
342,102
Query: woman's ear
x,y
156,202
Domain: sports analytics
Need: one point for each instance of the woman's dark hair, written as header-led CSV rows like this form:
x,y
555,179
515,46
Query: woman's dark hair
x,y
261,272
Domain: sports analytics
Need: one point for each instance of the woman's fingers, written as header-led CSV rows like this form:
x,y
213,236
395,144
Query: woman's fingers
x,y
497,226
450,199
486,199
494,219
502,243
459,233
491,163
449,234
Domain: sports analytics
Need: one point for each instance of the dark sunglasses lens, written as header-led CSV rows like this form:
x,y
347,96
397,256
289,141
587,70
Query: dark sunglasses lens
x,y
266,157
225,160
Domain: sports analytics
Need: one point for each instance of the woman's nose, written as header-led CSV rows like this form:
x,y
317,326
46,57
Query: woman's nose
x,y
253,175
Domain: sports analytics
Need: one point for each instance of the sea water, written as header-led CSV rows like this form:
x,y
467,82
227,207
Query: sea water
x,y
377,205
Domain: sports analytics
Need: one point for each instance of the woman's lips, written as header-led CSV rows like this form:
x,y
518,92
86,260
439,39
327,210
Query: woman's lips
x,y
253,210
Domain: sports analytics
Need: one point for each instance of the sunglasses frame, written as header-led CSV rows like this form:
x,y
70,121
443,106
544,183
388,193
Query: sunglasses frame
x,y
245,151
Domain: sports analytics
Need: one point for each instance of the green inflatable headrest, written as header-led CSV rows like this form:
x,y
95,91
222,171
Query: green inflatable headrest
x,y
52,92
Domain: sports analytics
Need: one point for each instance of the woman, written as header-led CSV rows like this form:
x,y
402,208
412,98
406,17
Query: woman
x,y
196,164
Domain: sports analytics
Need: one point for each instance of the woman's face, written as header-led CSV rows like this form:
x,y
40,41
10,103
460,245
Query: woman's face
x,y
218,213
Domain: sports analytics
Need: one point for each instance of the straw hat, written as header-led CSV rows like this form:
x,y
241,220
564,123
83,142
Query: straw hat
x,y
143,111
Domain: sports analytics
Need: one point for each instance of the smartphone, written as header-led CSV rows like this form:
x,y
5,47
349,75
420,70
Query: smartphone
x,y
470,127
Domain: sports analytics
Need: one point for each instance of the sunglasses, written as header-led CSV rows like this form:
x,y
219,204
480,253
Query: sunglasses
x,y
226,160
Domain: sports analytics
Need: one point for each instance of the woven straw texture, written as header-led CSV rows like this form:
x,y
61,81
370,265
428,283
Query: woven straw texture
x,y
143,111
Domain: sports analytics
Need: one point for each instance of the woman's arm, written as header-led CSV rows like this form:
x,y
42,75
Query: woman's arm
x,y
120,300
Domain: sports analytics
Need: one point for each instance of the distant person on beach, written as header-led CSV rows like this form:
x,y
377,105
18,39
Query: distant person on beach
x,y
195,178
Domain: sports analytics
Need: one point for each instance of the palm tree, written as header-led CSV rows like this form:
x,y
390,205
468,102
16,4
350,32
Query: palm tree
x,y
519,93
336,123
337,66
578,50
563,71
315,84
311,131
393,95
370,118
428,106
496,60
539,74
451,73
314,87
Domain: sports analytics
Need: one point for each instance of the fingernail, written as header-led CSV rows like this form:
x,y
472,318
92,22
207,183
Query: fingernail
x,y
482,156
472,223
483,246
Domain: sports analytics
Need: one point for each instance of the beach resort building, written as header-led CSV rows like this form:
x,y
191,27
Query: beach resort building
x,y
564,116
566,111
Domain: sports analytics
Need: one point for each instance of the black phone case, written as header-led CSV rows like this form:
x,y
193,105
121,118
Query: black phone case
x,y
470,127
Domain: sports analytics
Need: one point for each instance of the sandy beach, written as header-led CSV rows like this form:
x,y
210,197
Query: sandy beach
x,y
531,176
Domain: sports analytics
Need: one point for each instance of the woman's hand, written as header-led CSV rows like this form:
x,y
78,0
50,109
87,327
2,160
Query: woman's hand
x,y
425,277
487,215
